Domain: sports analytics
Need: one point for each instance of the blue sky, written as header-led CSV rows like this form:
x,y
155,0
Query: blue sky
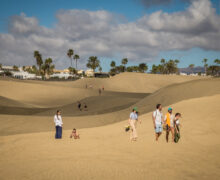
x,y
131,10
45,10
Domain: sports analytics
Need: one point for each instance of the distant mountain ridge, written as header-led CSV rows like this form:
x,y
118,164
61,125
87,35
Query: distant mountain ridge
x,y
192,70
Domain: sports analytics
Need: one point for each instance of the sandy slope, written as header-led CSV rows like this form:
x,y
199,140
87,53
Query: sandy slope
x,y
47,91
105,152
42,95
130,82
115,107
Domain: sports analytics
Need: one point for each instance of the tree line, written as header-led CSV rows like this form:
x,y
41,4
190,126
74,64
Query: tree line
x,y
213,70
46,67
142,67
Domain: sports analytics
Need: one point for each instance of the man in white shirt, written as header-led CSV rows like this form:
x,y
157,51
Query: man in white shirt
x,y
157,121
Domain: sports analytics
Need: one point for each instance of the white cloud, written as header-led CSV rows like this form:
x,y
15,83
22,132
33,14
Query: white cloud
x,y
104,34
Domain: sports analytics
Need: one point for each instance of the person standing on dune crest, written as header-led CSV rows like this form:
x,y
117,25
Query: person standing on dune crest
x,y
157,121
133,124
58,124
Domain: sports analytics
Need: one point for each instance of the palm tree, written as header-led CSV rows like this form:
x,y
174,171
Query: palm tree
x,y
154,69
124,61
205,64
39,60
34,69
177,61
36,53
100,69
76,57
163,65
70,53
217,61
15,68
143,67
72,70
191,66
93,62
23,68
48,67
171,66
113,64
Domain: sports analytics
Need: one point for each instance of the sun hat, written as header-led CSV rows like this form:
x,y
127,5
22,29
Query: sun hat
x,y
135,109
170,109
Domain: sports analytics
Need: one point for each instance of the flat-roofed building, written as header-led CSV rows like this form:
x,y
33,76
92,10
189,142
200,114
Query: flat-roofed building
x,y
23,75
80,72
89,73
61,71
7,68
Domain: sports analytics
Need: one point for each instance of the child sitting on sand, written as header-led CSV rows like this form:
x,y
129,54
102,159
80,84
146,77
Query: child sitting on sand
x,y
74,134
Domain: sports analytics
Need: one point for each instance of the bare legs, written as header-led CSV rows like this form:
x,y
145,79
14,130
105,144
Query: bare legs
x,y
157,136
170,129
133,133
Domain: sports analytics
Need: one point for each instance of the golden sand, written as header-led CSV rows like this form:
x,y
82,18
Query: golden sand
x,y
29,151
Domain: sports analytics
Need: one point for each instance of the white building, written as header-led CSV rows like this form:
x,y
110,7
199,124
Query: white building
x,y
23,75
62,75
7,68
80,72
89,73
183,74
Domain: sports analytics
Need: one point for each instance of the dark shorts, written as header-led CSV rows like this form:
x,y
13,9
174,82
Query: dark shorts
x,y
167,127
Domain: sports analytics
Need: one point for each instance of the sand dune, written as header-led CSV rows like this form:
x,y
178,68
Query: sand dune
x,y
12,103
178,92
105,103
111,107
106,153
29,151
130,82
42,95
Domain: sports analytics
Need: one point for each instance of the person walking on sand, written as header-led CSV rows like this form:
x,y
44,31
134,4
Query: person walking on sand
x,y
85,107
58,124
157,121
177,127
100,91
79,105
133,119
169,120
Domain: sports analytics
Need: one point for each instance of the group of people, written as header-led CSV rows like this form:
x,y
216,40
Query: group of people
x,y
100,90
80,107
169,123
59,124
